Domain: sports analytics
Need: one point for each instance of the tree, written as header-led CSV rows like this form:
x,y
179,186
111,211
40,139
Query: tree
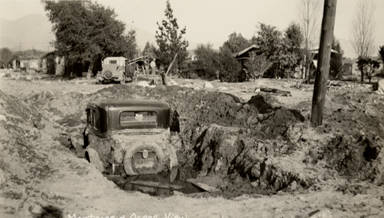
x,y
170,40
279,50
309,16
149,50
294,35
381,52
5,57
268,39
86,33
363,29
206,64
293,40
236,42
367,66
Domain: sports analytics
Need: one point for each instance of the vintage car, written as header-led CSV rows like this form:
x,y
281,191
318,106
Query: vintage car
x,y
129,138
120,69
113,70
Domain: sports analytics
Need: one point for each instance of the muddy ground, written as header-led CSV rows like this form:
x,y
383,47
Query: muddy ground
x,y
254,147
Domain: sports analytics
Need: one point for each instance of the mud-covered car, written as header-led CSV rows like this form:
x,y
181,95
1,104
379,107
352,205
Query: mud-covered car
x,y
113,70
129,138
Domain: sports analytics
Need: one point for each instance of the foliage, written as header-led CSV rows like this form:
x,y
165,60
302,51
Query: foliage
x,y
236,42
336,64
5,56
280,50
206,64
257,66
381,52
294,35
170,40
230,68
149,50
367,66
86,33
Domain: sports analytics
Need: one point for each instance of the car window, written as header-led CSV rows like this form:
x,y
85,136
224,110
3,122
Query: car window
x,y
138,119
93,118
96,119
113,61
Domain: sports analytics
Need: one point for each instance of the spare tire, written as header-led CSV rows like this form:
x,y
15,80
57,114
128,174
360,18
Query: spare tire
x,y
144,159
107,74
93,157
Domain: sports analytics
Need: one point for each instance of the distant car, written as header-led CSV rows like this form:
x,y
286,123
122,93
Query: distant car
x,y
129,138
113,70
120,69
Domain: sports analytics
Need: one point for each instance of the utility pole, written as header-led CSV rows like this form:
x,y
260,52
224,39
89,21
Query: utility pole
x,y
322,72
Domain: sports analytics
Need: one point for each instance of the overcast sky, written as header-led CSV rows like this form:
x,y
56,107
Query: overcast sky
x,y
212,20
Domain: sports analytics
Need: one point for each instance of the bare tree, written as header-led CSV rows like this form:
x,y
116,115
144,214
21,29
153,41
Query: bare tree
x,y
309,19
363,29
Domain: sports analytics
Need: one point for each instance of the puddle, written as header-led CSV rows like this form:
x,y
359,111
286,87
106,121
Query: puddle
x,y
155,185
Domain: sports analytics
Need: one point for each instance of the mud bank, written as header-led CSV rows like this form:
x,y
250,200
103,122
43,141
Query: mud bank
x,y
242,146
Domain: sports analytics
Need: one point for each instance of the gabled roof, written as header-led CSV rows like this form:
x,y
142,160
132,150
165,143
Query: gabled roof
x,y
246,50
316,50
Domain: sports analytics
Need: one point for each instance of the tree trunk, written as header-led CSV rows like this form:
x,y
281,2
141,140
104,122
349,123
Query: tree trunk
x,y
163,78
322,73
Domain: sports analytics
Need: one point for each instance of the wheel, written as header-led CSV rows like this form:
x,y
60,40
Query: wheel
x,y
140,160
93,158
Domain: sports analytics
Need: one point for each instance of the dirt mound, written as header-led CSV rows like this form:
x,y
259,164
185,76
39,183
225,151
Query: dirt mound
x,y
355,148
200,107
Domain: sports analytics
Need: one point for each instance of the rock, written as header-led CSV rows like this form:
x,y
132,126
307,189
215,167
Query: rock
x,y
28,77
143,83
208,85
3,118
2,177
35,209
172,82
380,87
320,214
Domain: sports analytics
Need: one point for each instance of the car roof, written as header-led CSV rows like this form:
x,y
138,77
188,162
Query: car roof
x,y
131,103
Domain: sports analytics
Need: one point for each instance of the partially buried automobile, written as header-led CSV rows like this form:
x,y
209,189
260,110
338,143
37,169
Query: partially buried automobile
x,y
130,137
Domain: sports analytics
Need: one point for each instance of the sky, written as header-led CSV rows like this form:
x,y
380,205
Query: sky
x,y
211,21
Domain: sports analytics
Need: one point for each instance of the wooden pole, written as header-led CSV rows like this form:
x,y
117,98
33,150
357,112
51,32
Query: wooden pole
x,y
165,74
171,65
322,72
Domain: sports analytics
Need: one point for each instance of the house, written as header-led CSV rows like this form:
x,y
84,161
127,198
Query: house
x,y
245,54
28,60
53,64
315,55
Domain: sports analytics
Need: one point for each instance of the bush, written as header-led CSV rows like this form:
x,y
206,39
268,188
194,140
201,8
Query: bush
x,y
230,68
257,66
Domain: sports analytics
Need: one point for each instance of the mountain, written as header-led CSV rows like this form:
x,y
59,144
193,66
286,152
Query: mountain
x,y
29,32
